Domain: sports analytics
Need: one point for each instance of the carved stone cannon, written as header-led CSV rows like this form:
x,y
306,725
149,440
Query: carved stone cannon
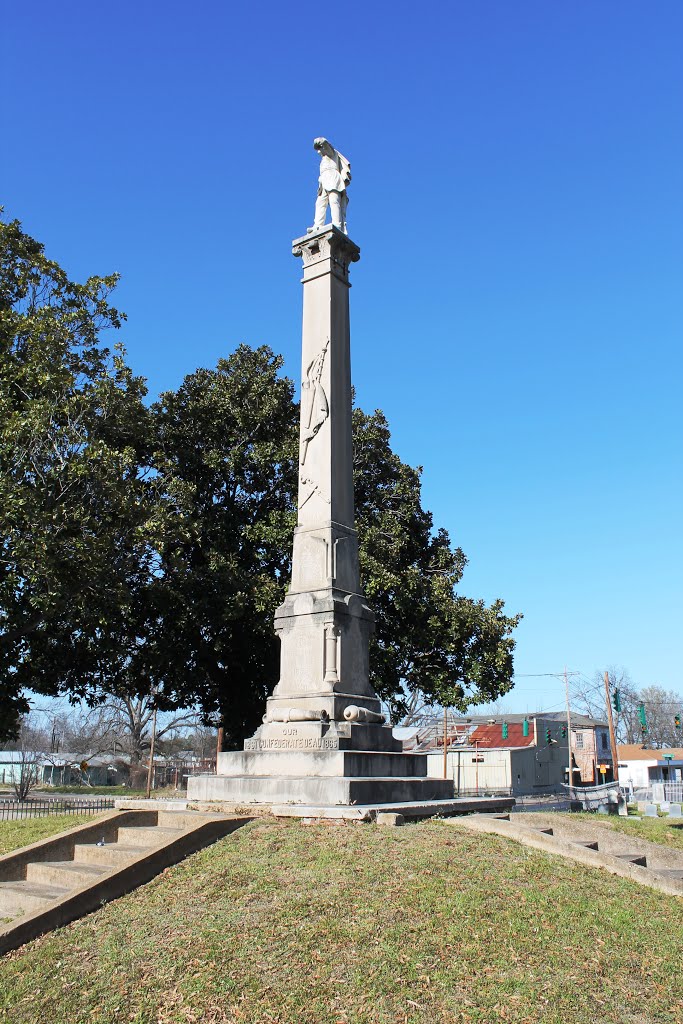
x,y
355,714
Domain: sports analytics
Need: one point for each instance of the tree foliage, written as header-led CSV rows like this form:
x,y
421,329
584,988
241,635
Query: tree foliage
x,y
143,550
226,455
76,512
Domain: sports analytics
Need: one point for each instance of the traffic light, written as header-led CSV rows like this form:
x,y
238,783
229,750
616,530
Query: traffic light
x,y
643,719
504,730
563,732
616,701
548,737
525,727
677,721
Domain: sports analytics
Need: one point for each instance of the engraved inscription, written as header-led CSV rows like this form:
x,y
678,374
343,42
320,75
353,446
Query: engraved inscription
x,y
300,743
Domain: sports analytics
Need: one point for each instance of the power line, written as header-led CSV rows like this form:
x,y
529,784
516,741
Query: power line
x,y
543,675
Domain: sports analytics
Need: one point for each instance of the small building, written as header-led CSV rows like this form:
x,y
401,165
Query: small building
x,y
10,766
591,750
64,769
590,746
640,766
72,769
516,755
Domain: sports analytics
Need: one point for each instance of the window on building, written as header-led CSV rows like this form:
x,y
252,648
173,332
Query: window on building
x,y
579,740
603,741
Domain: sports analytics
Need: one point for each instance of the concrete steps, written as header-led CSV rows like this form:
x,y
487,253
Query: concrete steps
x,y
88,853
648,863
23,897
65,874
149,835
52,882
631,858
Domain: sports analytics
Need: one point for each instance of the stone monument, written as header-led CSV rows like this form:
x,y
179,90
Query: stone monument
x,y
335,175
324,740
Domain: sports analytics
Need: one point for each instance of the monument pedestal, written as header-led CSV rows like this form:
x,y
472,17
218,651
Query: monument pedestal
x,y
324,763
323,740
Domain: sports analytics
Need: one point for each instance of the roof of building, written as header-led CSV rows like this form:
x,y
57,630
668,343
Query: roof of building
x,y
578,721
491,736
58,760
405,732
11,756
638,752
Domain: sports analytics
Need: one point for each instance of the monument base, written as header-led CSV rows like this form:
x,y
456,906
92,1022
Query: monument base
x,y
330,763
245,790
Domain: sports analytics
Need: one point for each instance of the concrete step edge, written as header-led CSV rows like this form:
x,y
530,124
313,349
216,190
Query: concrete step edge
x,y
69,866
564,847
40,889
115,882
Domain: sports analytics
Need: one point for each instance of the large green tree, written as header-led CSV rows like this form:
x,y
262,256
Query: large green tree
x,y
144,551
77,513
226,456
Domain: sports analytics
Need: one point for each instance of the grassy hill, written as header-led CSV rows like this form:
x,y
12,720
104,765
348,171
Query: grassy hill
x,y
283,923
24,831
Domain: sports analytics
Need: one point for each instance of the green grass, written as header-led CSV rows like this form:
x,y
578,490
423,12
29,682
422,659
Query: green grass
x,y
160,793
112,791
655,830
95,790
15,834
286,924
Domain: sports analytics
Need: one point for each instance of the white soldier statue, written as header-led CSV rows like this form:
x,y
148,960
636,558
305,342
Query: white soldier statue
x,y
335,174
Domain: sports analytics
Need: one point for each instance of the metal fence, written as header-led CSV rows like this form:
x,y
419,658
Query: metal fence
x,y
659,793
464,791
13,810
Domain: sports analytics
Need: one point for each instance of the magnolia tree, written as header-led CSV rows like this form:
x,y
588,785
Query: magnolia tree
x,y
144,549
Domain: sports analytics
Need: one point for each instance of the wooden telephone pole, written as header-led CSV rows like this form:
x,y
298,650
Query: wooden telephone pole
x,y
612,734
150,769
570,769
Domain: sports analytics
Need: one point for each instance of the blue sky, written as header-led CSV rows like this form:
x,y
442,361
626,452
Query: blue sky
x,y
517,310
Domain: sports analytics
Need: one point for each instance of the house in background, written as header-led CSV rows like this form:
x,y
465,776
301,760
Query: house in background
x,y
507,756
10,766
590,746
66,769
640,767
502,754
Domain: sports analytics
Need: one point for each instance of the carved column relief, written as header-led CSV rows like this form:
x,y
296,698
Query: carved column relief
x,y
332,633
316,408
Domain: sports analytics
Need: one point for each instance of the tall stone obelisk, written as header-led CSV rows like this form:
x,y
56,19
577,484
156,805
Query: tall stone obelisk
x,y
323,740
325,623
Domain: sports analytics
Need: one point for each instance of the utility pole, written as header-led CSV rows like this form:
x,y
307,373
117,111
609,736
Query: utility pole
x,y
151,754
612,734
445,743
570,771
219,743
